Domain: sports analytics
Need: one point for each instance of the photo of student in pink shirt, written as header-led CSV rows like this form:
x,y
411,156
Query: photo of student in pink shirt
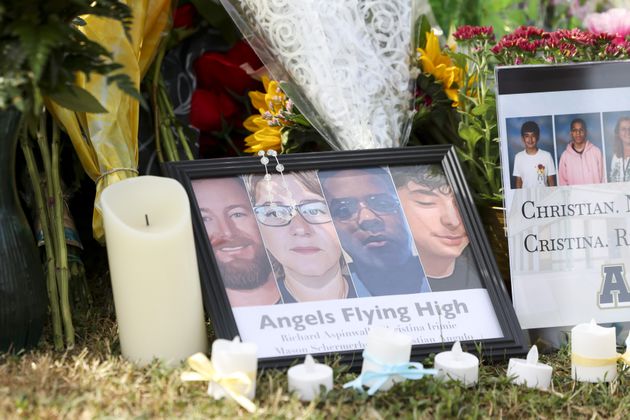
x,y
581,162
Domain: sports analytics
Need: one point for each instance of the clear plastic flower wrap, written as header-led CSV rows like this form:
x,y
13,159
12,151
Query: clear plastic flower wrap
x,y
347,65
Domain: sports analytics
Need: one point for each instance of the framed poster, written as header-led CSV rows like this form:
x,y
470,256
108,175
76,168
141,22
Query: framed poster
x,y
565,149
307,261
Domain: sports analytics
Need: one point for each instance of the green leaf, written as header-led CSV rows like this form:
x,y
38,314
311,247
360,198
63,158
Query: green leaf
x,y
217,16
470,134
37,43
124,83
459,58
480,109
486,111
299,119
77,99
422,27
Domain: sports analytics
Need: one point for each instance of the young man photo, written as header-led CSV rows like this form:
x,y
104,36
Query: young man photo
x,y
533,167
582,161
437,227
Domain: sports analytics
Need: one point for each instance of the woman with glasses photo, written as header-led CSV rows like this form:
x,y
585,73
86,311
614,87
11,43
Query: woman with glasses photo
x,y
300,238
620,161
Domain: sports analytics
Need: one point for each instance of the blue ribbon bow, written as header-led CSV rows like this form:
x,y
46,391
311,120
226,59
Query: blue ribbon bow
x,y
410,370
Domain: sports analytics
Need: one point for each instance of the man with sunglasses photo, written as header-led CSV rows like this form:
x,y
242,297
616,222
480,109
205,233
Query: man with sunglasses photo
x,y
372,230
236,242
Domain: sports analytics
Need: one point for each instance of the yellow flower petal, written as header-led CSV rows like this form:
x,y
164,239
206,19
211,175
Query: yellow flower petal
x,y
265,139
433,61
257,99
254,123
272,105
453,95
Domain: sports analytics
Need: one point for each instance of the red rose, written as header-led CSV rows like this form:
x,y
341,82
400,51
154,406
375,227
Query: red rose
x,y
242,53
184,16
222,71
208,109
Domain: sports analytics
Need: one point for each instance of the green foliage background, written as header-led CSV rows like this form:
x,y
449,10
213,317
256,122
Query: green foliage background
x,y
503,15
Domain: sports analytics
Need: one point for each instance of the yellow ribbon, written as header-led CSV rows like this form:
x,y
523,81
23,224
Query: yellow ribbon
x,y
597,362
234,384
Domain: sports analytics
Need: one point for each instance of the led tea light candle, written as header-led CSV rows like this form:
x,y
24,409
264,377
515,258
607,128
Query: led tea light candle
x,y
529,372
385,347
231,357
457,365
593,353
307,378
153,266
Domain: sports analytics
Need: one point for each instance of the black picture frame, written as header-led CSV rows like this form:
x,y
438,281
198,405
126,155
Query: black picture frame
x,y
216,302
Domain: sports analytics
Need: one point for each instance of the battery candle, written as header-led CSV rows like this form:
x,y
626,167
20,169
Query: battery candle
x,y
232,357
153,266
530,372
307,378
593,353
457,365
385,348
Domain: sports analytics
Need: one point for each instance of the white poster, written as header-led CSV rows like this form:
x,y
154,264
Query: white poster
x,y
333,326
565,152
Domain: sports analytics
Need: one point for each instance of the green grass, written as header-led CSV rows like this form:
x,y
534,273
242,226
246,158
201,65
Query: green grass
x,y
94,381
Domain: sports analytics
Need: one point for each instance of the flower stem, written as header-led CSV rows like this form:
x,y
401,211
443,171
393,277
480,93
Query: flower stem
x,y
167,122
181,137
61,250
40,203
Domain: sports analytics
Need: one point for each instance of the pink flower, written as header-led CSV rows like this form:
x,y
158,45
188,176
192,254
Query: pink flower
x,y
572,35
466,32
526,32
615,21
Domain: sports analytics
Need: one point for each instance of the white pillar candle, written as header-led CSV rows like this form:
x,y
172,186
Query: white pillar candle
x,y
385,347
457,365
153,267
234,356
593,353
529,372
307,378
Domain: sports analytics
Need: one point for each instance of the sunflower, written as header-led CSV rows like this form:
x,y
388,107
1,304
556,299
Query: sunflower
x,y
267,125
441,67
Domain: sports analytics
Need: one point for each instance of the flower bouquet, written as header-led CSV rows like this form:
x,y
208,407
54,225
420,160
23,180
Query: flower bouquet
x,y
347,67
454,99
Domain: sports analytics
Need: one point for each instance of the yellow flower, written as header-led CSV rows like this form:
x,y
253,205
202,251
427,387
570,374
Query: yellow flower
x,y
440,65
266,127
265,137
